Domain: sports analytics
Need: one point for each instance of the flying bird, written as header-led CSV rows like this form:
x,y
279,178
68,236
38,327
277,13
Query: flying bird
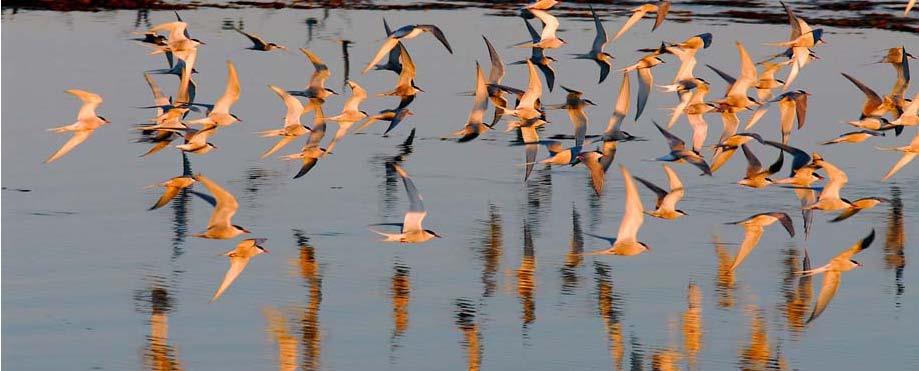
x,y
854,137
626,242
220,226
646,79
219,114
259,43
833,272
405,87
910,151
753,231
311,151
315,88
87,123
665,207
292,127
679,152
660,8
539,58
412,229
405,33
239,258
603,59
592,161
757,176
392,62
395,117
475,123
350,113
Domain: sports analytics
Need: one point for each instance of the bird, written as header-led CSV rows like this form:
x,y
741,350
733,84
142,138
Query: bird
x,y
219,114
404,33
292,127
626,242
475,123
679,152
526,105
874,105
412,229
829,199
87,123
574,104
220,226
392,62
646,80
315,91
172,187
350,113
800,180
558,154
858,205
260,44
495,75
910,151
661,8
909,6
311,151
753,231
530,140
405,87
735,99
799,44
767,81
791,104
833,272
603,59
539,58
592,161
757,176
161,138
725,149
909,115
178,43
239,258
695,110
196,139
665,207
854,137
394,116
547,39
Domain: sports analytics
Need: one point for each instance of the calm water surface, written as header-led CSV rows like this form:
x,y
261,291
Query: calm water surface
x,y
94,281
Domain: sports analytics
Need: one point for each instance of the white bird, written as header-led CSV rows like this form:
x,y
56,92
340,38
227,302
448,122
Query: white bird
x,y
665,208
87,122
753,231
220,112
626,242
412,229
661,8
547,39
833,272
829,199
311,151
315,88
239,258
350,113
475,123
220,226
679,152
292,127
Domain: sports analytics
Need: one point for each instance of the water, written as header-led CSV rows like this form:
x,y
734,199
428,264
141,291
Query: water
x,y
94,281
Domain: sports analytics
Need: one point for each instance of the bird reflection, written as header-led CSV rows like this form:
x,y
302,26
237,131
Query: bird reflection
x,y
390,186
347,61
724,284
526,280
287,343
539,197
755,355
309,320
310,23
594,207
179,222
797,297
894,257
492,248
400,290
573,258
692,324
466,321
637,356
608,308
254,179
158,353
229,25
143,17
665,360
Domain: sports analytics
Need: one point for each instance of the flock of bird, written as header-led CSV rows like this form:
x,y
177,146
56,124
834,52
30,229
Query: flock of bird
x,y
880,114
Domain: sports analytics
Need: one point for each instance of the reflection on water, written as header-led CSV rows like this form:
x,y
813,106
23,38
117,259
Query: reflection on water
x,y
400,290
347,62
309,320
665,360
796,290
492,248
692,324
158,353
539,197
526,279
756,354
389,187
894,257
287,343
609,311
142,18
465,315
574,258
254,179
637,356
724,279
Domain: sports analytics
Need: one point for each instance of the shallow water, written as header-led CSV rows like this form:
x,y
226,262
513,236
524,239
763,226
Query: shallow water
x,y
93,281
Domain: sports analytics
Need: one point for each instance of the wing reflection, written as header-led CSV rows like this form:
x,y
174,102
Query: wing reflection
x,y
608,308
894,258
389,188
400,290
724,283
526,280
797,290
574,258
465,314
692,324
158,354
492,248
287,343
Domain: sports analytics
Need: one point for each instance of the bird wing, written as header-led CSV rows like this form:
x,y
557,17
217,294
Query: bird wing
x,y
385,48
633,216
408,68
662,9
231,94
787,117
308,164
872,99
800,160
75,140
597,173
856,248
752,234
609,153
754,167
321,73
319,128
416,212
438,34
838,179
534,88
550,24
730,122
646,80
480,102
358,95
827,291
159,98
622,106
801,109
675,143
636,16
256,41
294,107
226,204
601,39
672,177
654,188
237,265
579,120
284,141
699,131
168,194
401,115
905,159
497,65
747,76
90,102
